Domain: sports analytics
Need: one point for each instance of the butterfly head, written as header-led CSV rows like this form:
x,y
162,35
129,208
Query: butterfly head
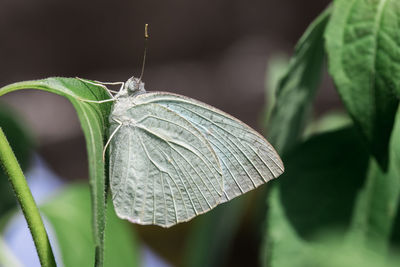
x,y
134,86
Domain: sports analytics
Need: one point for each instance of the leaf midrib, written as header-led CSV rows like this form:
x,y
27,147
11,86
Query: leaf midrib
x,y
377,27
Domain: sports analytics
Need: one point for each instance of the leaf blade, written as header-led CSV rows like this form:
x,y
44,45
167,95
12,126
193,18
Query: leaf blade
x,y
363,46
295,221
297,87
93,118
294,95
378,200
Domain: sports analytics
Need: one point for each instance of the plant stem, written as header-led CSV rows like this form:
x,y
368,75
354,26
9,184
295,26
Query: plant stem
x,y
28,205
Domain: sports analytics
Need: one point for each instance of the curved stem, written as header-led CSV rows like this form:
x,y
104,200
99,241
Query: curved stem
x,y
28,205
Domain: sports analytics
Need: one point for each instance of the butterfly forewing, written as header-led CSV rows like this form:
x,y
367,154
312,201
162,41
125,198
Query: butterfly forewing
x,y
162,169
247,160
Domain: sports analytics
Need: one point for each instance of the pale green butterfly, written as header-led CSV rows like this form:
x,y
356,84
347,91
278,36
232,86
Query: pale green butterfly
x,y
173,157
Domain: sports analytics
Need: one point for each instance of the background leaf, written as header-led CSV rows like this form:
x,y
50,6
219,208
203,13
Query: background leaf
x,y
280,239
69,214
294,96
331,179
329,122
297,88
357,204
94,121
276,68
333,252
363,45
378,201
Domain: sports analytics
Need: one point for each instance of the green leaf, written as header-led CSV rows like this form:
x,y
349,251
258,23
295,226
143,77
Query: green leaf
x,y
94,121
329,122
276,69
361,220
69,215
334,252
378,201
314,179
297,88
312,176
280,239
294,96
363,46
22,145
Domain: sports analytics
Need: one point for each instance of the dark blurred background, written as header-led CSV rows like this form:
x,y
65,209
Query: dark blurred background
x,y
214,51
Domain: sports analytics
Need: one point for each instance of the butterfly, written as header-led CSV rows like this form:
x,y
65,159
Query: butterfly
x,y
173,157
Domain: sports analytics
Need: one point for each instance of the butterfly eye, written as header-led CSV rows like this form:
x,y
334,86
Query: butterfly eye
x,y
138,84
133,85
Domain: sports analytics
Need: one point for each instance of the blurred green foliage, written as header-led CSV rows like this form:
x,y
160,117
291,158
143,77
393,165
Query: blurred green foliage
x,y
296,89
337,202
69,213
318,192
213,235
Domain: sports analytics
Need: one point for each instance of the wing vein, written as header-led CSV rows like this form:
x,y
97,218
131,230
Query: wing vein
x,y
170,189
145,186
165,201
117,154
234,155
184,184
230,173
185,128
169,144
154,198
190,149
255,152
199,177
243,129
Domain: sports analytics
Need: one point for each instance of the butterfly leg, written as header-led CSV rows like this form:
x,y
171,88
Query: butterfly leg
x,y
109,92
112,83
97,101
111,136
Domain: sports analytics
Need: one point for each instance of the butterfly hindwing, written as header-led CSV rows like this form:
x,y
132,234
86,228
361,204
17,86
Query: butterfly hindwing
x,y
162,169
247,160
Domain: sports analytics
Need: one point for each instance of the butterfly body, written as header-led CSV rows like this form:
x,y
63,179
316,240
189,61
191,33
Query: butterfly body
x,y
173,157
125,100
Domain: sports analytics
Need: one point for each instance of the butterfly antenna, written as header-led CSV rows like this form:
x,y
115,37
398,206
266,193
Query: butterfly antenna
x,y
146,37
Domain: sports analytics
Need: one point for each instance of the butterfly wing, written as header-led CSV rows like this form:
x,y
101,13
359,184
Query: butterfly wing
x,y
162,169
247,159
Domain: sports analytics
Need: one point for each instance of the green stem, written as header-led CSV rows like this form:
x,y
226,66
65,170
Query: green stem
x,y
28,205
